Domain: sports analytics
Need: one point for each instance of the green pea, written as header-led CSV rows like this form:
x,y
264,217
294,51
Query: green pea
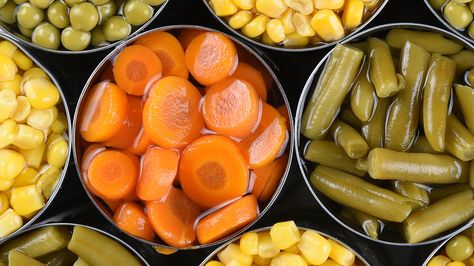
x,y
437,4
155,2
29,16
471,6
458,15
137,12
75,40
7,13
19,2
84,16
98,38
459,248
71,3
99,2
471,30
43,4
26,32
116,28
106,11
46,35
58,14
3,3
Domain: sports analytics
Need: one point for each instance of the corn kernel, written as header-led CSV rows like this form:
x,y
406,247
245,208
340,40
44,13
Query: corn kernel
x,y
6,184
287,20
34,73
341,254
57,153
8,132
48,180
245,4
7,48
284,259
21,60
352,15
8,68
293,249
35,156
22,110
4,203
327,25
214,263
285,234
29,176
60,124
7,103
275,30
266,248
314,247
14,84
240,19
266,39
256,26
41,93
249,243
330,262
26,200
11,164
223,8
328,4
261,261
456,263
233,253
10,221
305,7
295,40
42,118
236,263
28,138
371,4
271,8
302,25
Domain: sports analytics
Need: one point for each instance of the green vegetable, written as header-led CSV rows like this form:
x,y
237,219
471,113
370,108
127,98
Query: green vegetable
x,y
16,258
349,139
459,140
369,223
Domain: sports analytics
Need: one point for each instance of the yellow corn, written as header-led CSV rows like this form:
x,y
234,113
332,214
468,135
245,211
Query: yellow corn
x,y
6,184
371,4
271,8
8,68
35,156
26,200
48,180
214,263
340,254
330,262
42,118
14,84
287,20
34,73
7,48
456,263
8,132
28,138
266,39
293,249
10,221
314,247
261,261
256,26
284,259
266,248
352,15
21,60
327,25
53,137
235,263
41,93
7,103
233,253
4,203
295,40
275,30
249,243
240,19
57,153
22,109
60,124
11,164
29,176
223,8
305,7
245,4
285,234
328,4
302,25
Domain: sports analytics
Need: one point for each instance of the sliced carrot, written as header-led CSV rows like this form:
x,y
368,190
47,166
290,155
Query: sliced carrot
x,y
231,107
112,174
283,110
187,35
135,67
103,112
227,220
265,144
112,204
108,73
254,77
131,218
211,57
268,177
173,219
212,170
141,143
130,127
169,50
158,170
87,157
171,115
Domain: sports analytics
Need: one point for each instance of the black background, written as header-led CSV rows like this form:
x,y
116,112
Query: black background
x,y
295,202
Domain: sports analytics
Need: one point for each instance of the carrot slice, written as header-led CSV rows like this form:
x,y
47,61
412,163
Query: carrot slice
x,y
171,115
231,107
264,145
141,143
211,57
112,174
103,113
130,127
187,35
131,218
212,170
159,168
253,76
108,73
268,177
173,219
283,110
227,220
169,50
112,204
135,67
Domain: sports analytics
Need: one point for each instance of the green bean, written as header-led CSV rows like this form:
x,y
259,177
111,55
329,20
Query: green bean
x,y
382,69
445,191
349,139
470,77
349,117
422,145
405,110
334,86
471,174
16,258
329,182
436,96
459,140
416,167
464,61
98,249
412,190
465,96
363,97
430,41
81,262
61,257
360,45
361,164
369,223
374,131
329,154
438,217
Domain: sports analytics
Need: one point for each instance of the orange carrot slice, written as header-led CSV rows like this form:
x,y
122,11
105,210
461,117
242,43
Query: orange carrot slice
x,y
211,57
171,115
141,143
268,177
212,170
173,219
187,35
159,168
112,174
103,113
112,204
231,107
169,50
265,144
131,218
254,77
283,110
227,220
135,67
130,127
